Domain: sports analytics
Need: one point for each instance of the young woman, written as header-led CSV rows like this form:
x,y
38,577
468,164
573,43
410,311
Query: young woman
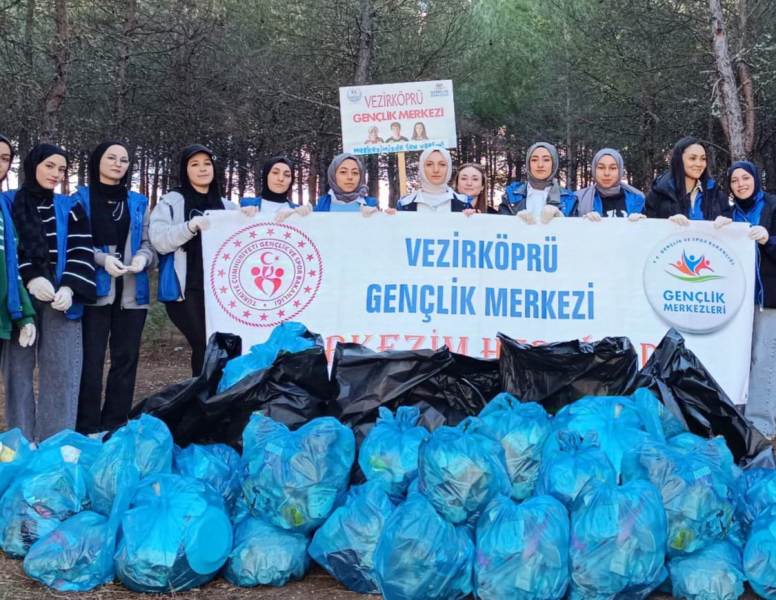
x,y
347,187
435,169
16,311
541,198
419,131
752,205
123,255
56,264
277,181
686,192
609,196
176,222
470,181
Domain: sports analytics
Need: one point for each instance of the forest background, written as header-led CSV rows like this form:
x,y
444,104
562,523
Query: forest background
x,y
256,78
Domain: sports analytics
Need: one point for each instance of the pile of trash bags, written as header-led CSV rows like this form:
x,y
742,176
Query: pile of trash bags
x,y
557,495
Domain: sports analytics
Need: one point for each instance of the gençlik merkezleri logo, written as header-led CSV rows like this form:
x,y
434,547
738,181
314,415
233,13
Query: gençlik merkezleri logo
x,y
692,269
265,274
694,282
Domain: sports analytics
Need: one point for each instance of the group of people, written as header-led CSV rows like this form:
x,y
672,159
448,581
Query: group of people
x,y
418,134
74,271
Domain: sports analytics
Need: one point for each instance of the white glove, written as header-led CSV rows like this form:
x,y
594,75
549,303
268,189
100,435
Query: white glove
x,y
593,216
635,217
550,212
679,220
721,221
759,234
249,211
198,224
41,288
368,211
526,216
63,299
114,266
27,335
138,264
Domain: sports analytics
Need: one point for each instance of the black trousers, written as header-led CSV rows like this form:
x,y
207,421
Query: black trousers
x,y
108,327
189,317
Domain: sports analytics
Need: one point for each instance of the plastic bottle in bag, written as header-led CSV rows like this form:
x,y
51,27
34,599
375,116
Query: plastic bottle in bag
x,y
15,451
218,465
760,555
712,573
522,550
460,471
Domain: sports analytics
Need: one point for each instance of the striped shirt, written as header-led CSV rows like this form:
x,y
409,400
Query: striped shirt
x,y
78,274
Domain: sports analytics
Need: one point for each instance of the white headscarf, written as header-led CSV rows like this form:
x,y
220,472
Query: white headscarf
x,y
433,194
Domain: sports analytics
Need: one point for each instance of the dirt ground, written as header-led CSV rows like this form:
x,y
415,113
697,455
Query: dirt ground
x,y
164,360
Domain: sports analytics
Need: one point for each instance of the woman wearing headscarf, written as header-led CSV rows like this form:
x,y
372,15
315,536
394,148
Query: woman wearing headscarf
x,y
176,222
122,254
435,169
17,315
609,196
541,197
470,181
277,181
347,187
757,208
56,264
687,192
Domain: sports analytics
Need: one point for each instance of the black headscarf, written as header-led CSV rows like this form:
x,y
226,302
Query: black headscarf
x,y
195,202
10,145
108,203
268,194
677,166
32,237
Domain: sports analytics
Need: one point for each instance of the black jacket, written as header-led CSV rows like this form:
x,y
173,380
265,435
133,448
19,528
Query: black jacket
x,y
663,201
768,253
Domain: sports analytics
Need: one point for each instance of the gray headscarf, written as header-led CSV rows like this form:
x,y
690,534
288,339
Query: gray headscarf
x,y
587,195
553,197
361,189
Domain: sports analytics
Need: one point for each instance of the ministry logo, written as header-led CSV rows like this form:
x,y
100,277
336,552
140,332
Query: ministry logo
x,y
265,274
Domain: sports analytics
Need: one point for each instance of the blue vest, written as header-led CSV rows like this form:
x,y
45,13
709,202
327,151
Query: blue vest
x,y
137,204
13,302
634,203
324,205
62,206
515,193
248,201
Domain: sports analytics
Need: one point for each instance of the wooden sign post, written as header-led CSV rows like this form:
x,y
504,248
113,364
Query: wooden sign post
x,y
402,165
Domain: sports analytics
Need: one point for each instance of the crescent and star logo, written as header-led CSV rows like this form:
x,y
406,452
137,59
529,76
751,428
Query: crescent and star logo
x,y
265,274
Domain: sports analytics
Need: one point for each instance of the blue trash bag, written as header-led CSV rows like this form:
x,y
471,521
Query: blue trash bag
x,y
760,555
698,496
15,451
655,417
265,555
140,448
618,542
757,491
613,420
176,535
576,465
713,573
345,544
287,337
216,464
390,451
521,429
50,488
522,550
421,556
295,479
460,471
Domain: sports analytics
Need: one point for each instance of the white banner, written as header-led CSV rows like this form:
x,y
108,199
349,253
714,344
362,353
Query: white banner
x,y
417,281
398,117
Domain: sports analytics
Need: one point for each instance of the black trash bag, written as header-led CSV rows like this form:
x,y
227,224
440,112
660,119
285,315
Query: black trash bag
x,y
558,374
180,405
446,387
688,390
293,390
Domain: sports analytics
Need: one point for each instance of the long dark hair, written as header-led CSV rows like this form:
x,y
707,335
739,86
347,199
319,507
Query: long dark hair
x,y
481,201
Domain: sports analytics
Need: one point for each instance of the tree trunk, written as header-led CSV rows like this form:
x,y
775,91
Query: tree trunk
x,y
122,64
731,105
365,34
55,96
